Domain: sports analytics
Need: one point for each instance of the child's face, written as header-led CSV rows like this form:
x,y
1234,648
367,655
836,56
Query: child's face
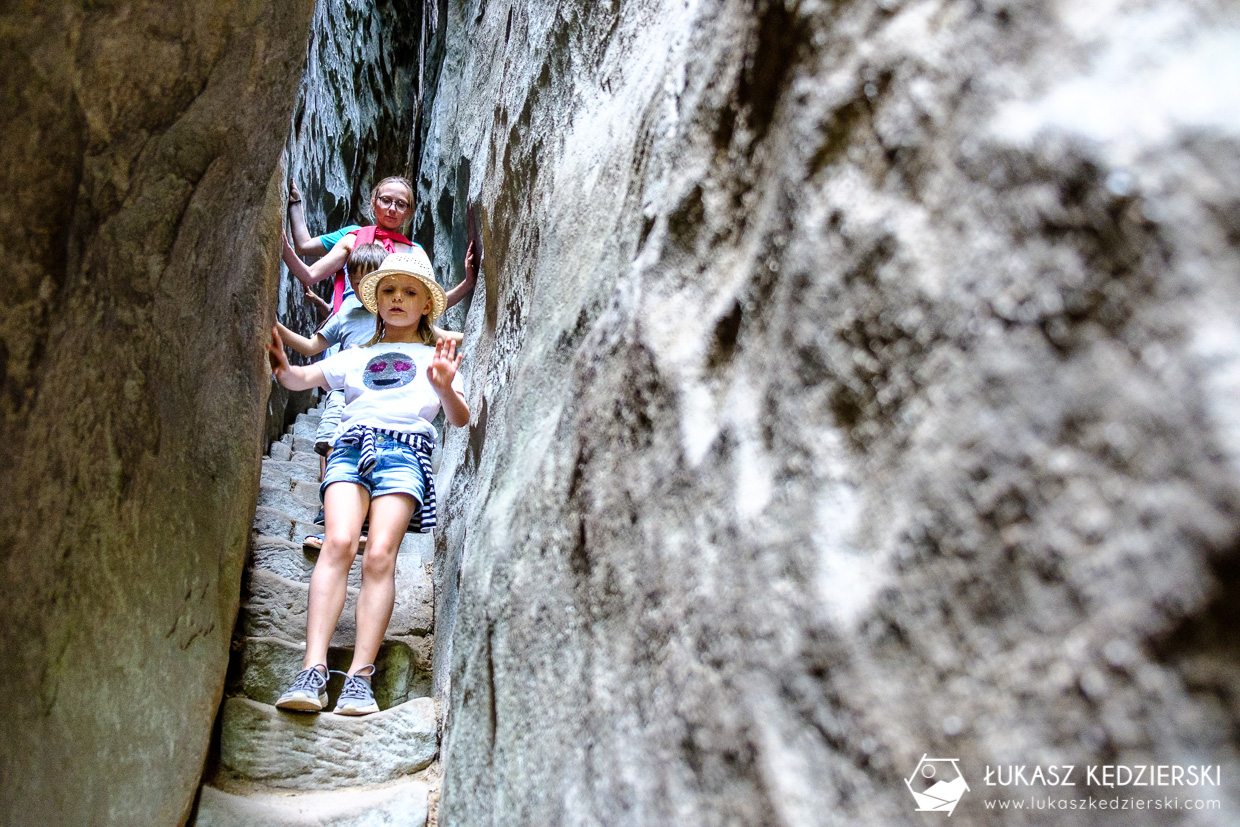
x,y
355,280
402,300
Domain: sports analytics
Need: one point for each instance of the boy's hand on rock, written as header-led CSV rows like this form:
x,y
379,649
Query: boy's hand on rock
x,y
320,304
294,194
443,366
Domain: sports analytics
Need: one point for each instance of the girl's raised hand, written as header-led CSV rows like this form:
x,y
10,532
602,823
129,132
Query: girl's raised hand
x,y
275,353
443,366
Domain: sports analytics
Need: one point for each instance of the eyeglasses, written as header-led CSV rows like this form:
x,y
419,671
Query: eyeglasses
x,y
386,201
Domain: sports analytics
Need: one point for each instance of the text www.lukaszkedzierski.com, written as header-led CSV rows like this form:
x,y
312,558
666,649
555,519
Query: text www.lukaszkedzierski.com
x,y
1166,803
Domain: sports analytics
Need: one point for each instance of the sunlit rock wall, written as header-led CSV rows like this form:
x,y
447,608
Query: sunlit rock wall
x,y
850,382
140,195
351,128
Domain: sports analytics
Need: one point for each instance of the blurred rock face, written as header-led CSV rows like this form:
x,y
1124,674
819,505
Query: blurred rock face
x,y
854,382
139,191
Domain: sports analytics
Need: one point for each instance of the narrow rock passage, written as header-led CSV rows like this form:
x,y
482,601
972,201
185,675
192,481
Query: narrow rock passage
x,y
282,768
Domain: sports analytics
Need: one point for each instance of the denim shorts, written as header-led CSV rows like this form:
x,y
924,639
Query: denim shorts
x,y
397,470
330,423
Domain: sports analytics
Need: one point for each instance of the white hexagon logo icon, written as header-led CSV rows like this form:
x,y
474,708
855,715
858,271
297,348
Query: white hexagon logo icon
x,y
937,784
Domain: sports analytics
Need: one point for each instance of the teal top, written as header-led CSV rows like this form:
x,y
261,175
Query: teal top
x,y
330,240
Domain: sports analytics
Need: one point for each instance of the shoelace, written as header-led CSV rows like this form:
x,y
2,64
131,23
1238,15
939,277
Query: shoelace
x,y
310,679
356,688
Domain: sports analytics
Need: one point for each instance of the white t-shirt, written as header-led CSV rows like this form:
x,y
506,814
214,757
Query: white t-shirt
x,y
385,386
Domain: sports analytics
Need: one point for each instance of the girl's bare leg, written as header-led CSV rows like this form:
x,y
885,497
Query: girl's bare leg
x,y
345,504
389,517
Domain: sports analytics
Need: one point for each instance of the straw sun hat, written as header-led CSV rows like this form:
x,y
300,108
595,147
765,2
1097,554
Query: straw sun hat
x,y
413,263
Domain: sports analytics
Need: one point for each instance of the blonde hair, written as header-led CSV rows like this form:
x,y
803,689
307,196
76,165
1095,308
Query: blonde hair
x,y
374,193
425,332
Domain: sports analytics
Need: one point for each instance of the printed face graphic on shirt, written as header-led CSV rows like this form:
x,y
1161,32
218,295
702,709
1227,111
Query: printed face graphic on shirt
x,y
387,371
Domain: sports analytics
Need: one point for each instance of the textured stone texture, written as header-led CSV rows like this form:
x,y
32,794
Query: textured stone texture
x,y
269,522
294,503
292,561
852,381
276,606
285,473
355,99
139,189
305,457
401,805
302,751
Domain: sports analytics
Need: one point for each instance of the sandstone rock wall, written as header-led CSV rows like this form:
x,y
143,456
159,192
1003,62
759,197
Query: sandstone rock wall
x,y
140,194
852,381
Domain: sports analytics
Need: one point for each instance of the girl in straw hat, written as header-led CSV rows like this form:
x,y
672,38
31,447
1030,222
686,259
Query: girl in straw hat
x,y
379,464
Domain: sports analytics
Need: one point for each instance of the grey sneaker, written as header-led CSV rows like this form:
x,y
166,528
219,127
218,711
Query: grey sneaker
x,y
308,692
357,698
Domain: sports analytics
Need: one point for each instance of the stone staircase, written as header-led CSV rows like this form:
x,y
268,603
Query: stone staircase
x,y
272,767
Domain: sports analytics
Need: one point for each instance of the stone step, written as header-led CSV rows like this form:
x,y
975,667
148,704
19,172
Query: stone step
x,y
306,458
423,545
264,668
275,471
305,429
322,751
294,443
275,606
400,805
292,561
272,522
301,503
